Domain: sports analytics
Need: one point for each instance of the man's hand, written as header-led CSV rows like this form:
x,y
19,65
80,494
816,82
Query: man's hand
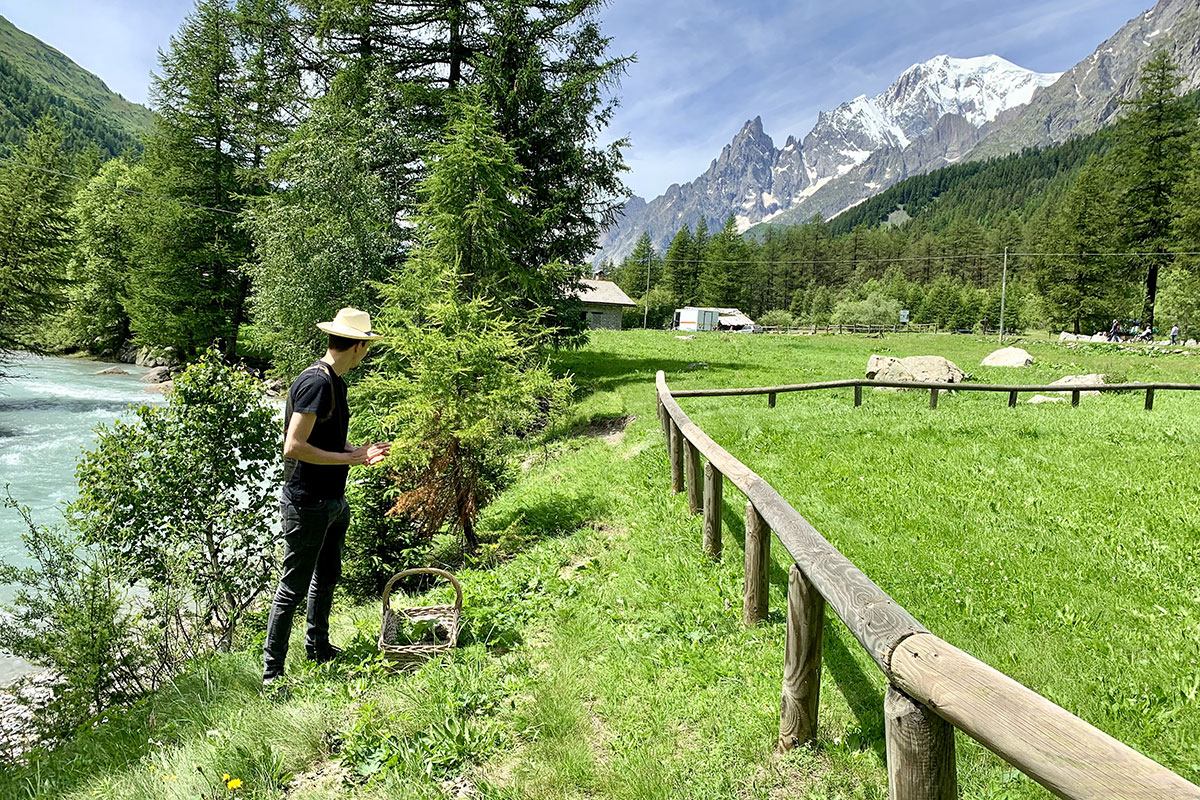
x,y
377,451
358,455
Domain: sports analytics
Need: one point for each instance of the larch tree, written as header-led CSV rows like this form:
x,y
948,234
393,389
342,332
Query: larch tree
x,y
1150,157
35,242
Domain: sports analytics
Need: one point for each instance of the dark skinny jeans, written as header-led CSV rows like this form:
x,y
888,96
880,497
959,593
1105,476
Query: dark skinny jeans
x,y
314,534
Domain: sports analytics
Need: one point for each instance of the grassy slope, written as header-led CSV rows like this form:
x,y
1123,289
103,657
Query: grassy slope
x,y
1054,543
62,76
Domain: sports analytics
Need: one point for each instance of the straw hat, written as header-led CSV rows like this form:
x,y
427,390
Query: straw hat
x,y
352,324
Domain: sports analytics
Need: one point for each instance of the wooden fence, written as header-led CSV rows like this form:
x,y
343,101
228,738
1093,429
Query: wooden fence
x,y
933,687
936,388
908,327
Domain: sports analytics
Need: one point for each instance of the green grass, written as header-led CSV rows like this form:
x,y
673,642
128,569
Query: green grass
x,y
604,655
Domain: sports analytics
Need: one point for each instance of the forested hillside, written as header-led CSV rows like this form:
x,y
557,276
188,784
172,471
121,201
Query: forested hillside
x,y
1100,227
36,79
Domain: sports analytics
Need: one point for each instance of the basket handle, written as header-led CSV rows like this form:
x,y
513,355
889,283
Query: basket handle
x,y
387,590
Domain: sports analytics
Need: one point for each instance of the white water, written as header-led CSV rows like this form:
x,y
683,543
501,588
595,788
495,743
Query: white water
x,y
49,409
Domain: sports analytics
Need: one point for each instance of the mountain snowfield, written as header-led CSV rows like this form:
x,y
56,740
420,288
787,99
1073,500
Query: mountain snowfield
x,y
758,182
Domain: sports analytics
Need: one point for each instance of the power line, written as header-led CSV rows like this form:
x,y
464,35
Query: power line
x,y
963,257
11,162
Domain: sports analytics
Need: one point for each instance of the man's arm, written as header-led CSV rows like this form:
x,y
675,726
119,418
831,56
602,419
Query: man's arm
x,y
295,445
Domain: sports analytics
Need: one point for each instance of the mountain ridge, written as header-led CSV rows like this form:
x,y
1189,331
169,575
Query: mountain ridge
x,y
757,182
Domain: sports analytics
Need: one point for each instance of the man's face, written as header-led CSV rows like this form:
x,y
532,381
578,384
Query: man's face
x,y
360,351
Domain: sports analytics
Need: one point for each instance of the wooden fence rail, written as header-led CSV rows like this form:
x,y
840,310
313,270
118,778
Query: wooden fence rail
x,y
935,388
933,686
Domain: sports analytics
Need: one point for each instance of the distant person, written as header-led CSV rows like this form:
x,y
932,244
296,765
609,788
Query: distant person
x,y
1174,333
313,505
1114,333
1147,334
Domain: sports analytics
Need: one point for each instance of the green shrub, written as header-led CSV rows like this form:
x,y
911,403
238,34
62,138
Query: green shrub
x,y
779,318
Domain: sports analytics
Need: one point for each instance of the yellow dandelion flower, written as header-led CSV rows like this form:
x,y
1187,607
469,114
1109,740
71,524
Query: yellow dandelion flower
x,y
234,784
225,777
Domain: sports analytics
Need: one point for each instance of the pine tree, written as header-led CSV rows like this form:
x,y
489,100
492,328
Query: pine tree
x,y
34,234
726,264
197,279
461,382
1083,290
679,268
641,269
1151,152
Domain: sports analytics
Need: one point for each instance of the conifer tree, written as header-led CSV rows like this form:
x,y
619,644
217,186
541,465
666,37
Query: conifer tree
x,y
1151,155
680,268
1083,290
641,269
34,234
724,267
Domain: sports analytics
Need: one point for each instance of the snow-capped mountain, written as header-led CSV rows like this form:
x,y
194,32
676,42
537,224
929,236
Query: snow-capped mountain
x,y
757,182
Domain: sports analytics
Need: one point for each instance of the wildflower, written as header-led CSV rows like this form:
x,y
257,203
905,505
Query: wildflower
x,y
225,777
234,784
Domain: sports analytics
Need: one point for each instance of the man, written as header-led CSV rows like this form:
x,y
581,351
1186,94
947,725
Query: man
x,y
313,505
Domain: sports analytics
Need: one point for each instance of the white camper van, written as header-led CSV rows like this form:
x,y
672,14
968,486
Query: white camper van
x,y
696,319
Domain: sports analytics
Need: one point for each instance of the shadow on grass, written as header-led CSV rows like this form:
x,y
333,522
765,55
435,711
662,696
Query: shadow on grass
x,y
604,372
862,695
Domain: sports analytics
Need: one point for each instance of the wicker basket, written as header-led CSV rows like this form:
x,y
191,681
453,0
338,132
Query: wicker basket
x,y
446,620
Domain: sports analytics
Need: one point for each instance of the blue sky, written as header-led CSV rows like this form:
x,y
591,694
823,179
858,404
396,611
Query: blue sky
x,y
704,66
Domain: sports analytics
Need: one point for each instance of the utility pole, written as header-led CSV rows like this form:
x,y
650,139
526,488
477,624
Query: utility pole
x,y
1003,290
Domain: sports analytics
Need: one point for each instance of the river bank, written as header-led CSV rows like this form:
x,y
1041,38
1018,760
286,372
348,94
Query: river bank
x,y
49,410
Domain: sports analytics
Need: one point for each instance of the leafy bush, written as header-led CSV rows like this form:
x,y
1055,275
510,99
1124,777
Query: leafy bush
x,y
875,310
73,614
184,501
779,318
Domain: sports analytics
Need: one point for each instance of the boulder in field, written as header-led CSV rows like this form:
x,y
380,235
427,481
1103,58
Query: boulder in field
x,y
1008,357
1041,398
1092,379
1191,343
111,371
920,369
876,363
1099,337
157,375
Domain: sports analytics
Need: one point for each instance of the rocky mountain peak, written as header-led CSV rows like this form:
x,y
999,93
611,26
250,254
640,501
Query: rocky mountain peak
x,y
756,182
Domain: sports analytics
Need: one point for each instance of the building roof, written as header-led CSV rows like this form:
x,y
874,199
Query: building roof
x,y
604,293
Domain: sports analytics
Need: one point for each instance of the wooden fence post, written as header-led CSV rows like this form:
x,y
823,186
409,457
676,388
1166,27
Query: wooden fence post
x,y
920,750
770,399
713,484
801,662
676,449
933,395
758,565
692,467
1012,399
1075,397
1149,399
663,417
857,396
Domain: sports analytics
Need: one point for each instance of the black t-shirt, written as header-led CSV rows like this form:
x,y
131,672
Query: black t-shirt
x,y
318,390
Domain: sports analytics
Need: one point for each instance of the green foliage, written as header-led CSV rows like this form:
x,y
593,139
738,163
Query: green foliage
x,y
73,614
109,222
34,235
184,500
459,382
1178,302
328,234
875,309
641,269
777,319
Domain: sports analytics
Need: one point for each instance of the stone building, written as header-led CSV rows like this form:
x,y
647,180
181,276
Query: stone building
x,y
603,304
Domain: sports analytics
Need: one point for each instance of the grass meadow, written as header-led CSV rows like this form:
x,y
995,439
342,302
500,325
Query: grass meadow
x,y
604,656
